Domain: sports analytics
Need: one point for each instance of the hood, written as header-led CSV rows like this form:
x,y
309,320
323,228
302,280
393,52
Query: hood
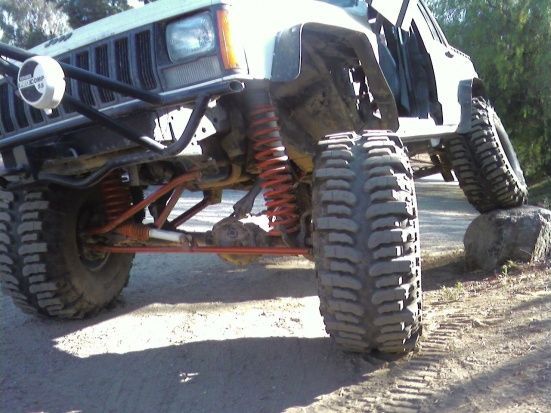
x,y
119,23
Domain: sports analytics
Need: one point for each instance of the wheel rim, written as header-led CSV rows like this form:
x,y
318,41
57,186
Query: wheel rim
x,y
88,218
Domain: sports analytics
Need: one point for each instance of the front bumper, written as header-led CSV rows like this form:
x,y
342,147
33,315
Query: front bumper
x,y
181,97
17,163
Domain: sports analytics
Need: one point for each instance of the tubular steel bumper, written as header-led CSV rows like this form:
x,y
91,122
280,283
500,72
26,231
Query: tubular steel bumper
x,y
197,96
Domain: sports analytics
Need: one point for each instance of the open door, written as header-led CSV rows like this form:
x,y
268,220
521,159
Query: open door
x,y
397,12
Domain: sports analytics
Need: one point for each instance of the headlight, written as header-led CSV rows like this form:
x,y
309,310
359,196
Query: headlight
x,y
190,37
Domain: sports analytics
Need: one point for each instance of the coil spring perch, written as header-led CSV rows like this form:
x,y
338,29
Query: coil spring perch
x,y
273,162
117,200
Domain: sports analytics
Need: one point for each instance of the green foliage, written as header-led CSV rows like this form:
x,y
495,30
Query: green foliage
x,y
540,193
505,268
454,293
82,12
26,23
510,43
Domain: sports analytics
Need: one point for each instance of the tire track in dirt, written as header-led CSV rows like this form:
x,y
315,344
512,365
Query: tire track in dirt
x,y
409,385
412,386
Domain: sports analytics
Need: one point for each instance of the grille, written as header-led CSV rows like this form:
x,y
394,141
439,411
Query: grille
x,y
5,93
128,59
36,115
20,113
102,68
69,86
84,89
123,64
145,62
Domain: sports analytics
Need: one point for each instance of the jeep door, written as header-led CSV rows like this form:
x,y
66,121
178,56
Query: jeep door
x,y
450,65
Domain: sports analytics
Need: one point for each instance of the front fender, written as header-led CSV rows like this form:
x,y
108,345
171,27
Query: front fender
x,y
287,62
263,26
273,37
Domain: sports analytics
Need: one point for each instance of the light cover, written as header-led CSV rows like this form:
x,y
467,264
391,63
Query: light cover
x,y
190,37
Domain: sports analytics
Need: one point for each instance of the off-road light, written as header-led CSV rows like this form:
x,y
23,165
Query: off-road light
x,y
192,36
41,82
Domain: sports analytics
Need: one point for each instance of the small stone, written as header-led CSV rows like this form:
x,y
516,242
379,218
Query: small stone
x,y
519,234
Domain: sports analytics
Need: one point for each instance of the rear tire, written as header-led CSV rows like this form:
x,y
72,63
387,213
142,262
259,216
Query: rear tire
x,y
486,164
366,243
45,268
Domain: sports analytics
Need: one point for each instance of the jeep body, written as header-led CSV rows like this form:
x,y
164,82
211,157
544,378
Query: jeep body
x,y
315,104
312,56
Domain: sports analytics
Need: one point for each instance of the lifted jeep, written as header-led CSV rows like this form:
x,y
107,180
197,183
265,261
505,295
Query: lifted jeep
x,y
316,105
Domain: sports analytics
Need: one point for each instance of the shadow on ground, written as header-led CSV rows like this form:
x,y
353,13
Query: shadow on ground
x,y
210,376
266,374
261,374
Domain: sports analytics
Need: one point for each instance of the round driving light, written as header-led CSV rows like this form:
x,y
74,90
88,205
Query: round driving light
x,y
41,82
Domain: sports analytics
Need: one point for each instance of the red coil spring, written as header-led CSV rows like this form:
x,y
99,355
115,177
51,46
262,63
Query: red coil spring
x,y
116,196
273,162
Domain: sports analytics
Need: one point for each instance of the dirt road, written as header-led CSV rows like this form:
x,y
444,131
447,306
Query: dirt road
x,y
193,334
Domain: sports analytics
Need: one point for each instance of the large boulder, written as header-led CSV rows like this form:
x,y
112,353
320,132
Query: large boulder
x,y
519,234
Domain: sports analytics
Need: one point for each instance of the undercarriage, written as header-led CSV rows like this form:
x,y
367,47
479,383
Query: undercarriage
x,y
122,234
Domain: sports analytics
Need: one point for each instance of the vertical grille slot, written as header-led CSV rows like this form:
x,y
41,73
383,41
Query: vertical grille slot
x,y
5,108
145,60
68,88
122,61
102,68
20,115
84,89
36,115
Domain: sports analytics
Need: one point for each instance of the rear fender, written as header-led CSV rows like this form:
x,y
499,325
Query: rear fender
x,y
468,89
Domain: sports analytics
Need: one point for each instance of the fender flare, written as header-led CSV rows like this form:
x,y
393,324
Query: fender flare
x,y
468,89
287,63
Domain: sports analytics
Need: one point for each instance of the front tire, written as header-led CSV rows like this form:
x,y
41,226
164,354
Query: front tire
x,y
45,268
486,164
366,243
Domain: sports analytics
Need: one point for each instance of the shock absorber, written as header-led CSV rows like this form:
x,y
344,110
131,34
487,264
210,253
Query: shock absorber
x,y
275,169
116,196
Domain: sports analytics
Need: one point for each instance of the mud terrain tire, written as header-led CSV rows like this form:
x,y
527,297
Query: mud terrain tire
x,y
42,266
366,243
486,164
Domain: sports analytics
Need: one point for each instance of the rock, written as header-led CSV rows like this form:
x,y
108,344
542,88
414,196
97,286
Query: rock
x,y
519,234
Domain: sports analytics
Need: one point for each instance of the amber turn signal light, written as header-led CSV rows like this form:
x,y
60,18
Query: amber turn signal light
x,y
228,46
